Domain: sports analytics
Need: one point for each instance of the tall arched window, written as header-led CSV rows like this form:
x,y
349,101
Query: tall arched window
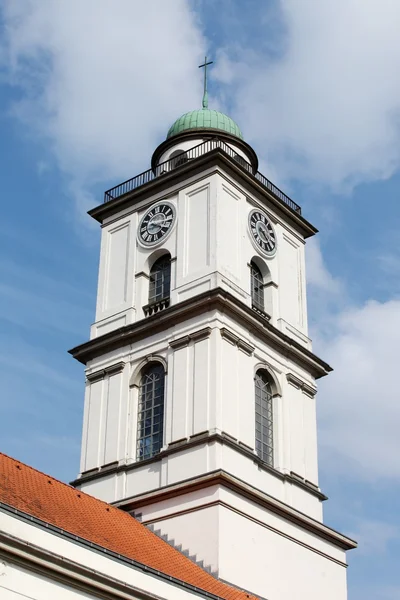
x,y
160,279
257,287
150,412
264,418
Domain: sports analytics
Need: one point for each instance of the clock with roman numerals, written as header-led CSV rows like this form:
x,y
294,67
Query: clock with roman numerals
x,y
157,223
262,232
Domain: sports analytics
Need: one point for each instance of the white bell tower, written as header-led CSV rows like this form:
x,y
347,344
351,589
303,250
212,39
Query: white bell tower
x,y
200,407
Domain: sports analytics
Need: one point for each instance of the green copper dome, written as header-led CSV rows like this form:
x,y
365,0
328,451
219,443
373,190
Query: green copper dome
x,y
204,119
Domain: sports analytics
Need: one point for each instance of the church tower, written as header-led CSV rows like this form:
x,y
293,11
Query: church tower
x,y
200,406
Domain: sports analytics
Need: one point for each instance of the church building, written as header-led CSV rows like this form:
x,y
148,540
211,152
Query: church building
x,y
199,471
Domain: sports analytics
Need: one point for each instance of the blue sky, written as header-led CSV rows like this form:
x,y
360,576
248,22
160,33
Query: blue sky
x,y
87,92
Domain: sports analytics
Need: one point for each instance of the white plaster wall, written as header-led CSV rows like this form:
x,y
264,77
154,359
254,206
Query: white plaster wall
x,y
106,420
212,247
260,558
201,533
17,582
44,583
232,249
209,388
116,269
252,547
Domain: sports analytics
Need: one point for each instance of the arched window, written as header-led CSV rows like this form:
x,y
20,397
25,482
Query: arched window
x,y
160,279
178,158
150,411
257,287
264,417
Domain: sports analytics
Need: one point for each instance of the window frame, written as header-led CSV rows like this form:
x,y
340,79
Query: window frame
x,y
264,416
150,411
160,277
257,293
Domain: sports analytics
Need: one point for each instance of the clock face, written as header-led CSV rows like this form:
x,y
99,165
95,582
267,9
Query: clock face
x,y
156,224
262,232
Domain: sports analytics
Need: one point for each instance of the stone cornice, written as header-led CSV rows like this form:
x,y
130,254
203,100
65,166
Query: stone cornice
x,y
199,439
185,340
214,158
217,299
301,385
220,477
101,373
236,341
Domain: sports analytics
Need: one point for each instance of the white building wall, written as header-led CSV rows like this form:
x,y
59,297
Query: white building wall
x,y
251,546
211,363
210,390
263,557
41,580
210,246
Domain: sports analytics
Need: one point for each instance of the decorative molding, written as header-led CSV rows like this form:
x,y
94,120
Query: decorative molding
x,y
201,334
229,336
271,284
199,440
260,312
309,391
142,274
246,446
200,434
180,442
228,436
236,341
217,299
135,377
179,343
299,384
95,376
151,523
185,340
234,287
156,307
290,241
116,368
172,181
110,465
101,373
240,487
262,365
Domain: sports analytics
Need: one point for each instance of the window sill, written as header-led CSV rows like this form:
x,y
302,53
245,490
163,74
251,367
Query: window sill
x,y
261,312
155,307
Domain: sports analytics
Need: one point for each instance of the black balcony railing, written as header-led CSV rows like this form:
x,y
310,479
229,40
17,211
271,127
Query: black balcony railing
x,y
155,307
189,155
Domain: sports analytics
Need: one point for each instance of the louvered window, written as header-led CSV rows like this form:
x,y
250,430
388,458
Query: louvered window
x,y
160,279
264,418
257,287
150,412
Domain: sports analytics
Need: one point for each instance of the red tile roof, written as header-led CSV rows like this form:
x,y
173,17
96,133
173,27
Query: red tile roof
x,y
62,506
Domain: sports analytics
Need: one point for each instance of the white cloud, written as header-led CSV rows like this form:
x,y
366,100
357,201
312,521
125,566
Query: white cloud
x,y
318,275
359,403
101,81
327,110
374,537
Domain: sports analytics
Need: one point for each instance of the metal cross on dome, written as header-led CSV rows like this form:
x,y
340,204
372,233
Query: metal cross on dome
x,y
205,94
